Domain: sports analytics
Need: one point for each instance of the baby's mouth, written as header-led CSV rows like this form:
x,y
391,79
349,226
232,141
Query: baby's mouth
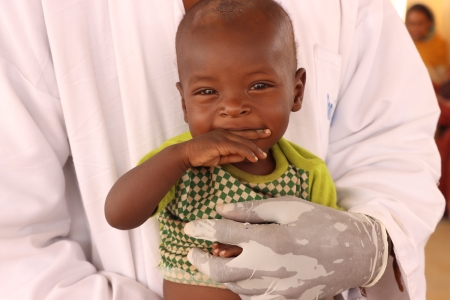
x,y
244,129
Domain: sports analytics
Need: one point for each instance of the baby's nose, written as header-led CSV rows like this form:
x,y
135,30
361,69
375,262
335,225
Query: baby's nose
x,y
234,107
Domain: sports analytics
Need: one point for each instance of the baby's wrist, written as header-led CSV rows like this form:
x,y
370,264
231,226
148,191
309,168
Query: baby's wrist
x,y
182,156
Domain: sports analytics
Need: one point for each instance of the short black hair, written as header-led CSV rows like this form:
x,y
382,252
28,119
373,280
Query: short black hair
x,y
423,9
231,8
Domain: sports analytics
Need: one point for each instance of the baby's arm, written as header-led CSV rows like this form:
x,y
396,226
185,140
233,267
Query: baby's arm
x,y
136,195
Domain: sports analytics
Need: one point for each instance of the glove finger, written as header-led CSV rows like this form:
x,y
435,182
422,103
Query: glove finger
x,y
231,232
270,289
255,289
262,297
216,267
201,229
258,274
281,210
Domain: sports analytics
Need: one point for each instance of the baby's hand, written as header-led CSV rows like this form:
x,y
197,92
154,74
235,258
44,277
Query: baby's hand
x,y
223,146
226,251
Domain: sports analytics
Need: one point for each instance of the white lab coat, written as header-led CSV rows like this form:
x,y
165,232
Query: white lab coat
x,y
88,87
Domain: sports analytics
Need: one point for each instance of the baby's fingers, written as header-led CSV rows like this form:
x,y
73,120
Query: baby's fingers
x,y
225,250
234,158
253,134
236,149
244,147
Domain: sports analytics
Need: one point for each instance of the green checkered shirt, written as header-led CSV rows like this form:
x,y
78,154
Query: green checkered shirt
x,y
298,173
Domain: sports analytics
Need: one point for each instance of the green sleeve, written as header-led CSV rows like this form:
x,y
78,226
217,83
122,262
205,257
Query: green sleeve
x,y
322,189
171,193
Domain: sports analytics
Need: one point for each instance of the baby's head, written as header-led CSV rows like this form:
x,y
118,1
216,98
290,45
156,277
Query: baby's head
x,y
238,68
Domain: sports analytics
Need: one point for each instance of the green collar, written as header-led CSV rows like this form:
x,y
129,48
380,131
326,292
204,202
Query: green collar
x,y
281,167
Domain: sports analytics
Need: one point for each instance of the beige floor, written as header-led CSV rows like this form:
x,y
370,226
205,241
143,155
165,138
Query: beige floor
x,y
438,263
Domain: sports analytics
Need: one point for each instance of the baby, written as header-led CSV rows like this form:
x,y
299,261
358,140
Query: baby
x,y
239,83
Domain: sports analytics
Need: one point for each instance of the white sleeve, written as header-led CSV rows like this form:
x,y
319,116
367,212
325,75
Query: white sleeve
x,y
382,154
37,259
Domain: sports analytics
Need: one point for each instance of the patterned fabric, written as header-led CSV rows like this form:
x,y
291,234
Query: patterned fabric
x,y
298,173
196,195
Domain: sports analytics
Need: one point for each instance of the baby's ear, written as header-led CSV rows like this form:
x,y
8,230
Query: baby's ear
x,y
299,89
183,103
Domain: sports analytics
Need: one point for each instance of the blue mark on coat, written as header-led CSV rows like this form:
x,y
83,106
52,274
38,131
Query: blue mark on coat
x,y
330,107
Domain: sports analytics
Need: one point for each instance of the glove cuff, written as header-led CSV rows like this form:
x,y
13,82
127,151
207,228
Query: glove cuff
x,y
384,248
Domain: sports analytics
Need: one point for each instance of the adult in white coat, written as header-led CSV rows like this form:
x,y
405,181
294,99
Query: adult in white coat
x,y
88,87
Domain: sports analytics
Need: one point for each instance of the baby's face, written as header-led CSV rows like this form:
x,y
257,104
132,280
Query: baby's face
x,y
238,78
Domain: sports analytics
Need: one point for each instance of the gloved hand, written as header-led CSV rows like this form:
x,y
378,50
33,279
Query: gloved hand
x,y
307,251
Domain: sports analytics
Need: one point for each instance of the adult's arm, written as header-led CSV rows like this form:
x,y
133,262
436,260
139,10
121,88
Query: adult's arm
x,y
382,154
38,259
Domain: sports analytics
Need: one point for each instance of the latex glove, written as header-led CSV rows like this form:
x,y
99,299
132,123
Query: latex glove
x,y
312,252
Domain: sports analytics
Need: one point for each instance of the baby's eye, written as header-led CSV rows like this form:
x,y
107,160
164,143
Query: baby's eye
x,y
259,86
207,92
